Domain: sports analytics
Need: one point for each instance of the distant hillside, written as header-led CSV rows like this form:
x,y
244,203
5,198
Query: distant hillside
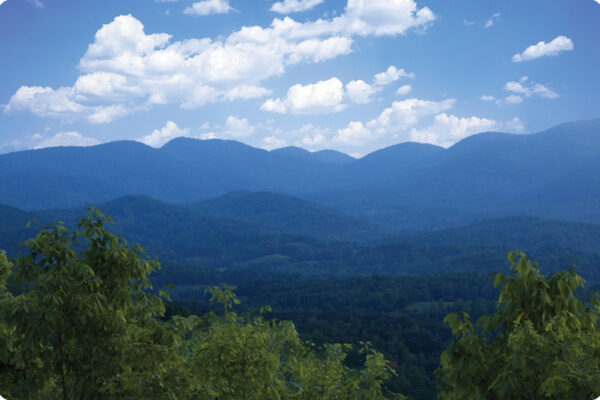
x,y
325,156
409,186
291,215
193,244
13,228
488,175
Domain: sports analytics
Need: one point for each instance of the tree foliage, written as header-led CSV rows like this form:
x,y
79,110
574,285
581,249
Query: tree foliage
x,y
541,343
86,325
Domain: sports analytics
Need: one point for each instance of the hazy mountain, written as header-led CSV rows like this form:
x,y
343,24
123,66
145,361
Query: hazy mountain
x,y
325,156
485,175
554,173
292,215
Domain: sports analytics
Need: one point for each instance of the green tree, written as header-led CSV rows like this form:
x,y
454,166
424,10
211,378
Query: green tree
x,y
249,357
87,310
85,325
541,343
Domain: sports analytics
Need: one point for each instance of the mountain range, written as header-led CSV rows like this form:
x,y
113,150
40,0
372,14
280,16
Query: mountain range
x,y
554,173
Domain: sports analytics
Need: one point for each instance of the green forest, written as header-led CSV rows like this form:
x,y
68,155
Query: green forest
x,y
81,318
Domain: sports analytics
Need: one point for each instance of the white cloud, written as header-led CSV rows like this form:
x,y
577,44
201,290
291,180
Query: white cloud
x,y
541,49
520,91
487,98
273,142
245,92
39,141
392,121
44,101
449,129
513,99
316,139
2,2
208,7
104,115
317,98
490,22
236,127
291,6
390,75
274,105
514,125
328,96
543,91
67,139
159,137
126,69
359,91
446,129
404,90
356,134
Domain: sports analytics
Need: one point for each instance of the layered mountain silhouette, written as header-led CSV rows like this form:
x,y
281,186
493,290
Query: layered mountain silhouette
x,y
555,173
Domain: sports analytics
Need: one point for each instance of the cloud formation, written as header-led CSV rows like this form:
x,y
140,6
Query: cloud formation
x,y
393,120
542,49
317,98
490,22
291,6
208,7
520,90
330,95
40,141
126,69
159,137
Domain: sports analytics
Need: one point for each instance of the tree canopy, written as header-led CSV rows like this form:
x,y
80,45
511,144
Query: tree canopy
x,y
541,343
84,323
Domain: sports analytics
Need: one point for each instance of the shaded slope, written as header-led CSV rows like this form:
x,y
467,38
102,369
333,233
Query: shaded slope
x,y
292,215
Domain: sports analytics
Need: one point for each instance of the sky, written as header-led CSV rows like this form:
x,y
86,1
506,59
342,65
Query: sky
x,y
349,75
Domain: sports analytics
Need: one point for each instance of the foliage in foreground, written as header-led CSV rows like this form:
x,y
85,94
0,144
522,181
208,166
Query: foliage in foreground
x,y
85,325
541,343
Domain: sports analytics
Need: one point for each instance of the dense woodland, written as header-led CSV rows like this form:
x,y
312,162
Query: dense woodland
x,y
80,318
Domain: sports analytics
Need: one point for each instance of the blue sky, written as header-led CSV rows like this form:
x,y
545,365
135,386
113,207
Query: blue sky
x,y
354,75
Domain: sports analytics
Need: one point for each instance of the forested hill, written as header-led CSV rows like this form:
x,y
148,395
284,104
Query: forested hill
x,y
407,186
291,215
252,238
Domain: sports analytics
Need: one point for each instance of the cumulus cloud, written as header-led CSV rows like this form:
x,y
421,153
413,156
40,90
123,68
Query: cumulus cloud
x,y
317,98
208,7
2,2
395,119
329,95
359,91
513,99
67,139
273,142
487,98
403,90
246,92
159,137
449,129
236,127
125,69
520,90
39,141
541,49
291,6
390,75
